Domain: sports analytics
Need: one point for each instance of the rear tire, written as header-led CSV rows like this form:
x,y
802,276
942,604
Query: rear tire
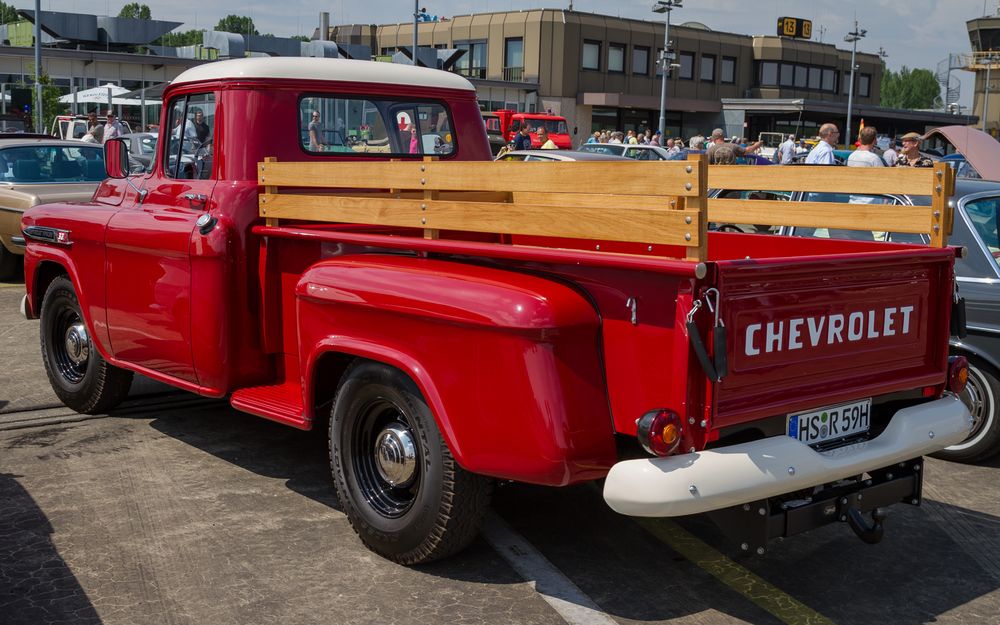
x,y
402,491
80,377
10,264
980,396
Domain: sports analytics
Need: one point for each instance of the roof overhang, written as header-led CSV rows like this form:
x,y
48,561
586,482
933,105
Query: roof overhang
x,y
624,100
789,105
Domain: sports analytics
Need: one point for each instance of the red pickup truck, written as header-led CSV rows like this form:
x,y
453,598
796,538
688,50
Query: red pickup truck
x,y
508,123
458,334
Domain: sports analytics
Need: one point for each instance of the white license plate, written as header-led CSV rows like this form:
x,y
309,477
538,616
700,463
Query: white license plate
x,y
830,423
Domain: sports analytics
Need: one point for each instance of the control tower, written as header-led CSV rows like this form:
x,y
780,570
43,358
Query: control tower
x,y
984,61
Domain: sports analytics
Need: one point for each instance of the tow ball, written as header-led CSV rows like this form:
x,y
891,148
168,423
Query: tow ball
x,y
871,534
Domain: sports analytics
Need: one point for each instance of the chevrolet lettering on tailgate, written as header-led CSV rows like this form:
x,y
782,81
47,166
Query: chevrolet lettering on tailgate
x,y
818,331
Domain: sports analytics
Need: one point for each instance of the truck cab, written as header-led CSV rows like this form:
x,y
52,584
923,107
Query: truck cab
x,y
512,121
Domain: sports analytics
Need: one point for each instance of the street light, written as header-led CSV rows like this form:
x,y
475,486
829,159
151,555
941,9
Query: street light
x,y
665,6
852,38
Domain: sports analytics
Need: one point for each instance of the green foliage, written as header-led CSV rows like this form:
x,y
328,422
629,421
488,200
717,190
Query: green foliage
x,y
910,89
8,13
135,11
177,39
300,38
50,99
238,24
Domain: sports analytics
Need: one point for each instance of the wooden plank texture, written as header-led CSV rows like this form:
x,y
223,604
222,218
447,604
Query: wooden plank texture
x,y
879,217
667,227
627,178
824,179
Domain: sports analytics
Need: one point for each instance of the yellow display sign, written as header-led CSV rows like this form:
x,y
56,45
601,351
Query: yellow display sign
x,y
795,27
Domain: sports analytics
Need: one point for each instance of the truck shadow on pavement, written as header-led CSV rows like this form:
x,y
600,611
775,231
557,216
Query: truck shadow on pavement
x,y
36,585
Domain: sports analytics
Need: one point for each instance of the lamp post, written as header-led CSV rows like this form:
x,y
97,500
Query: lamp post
x,y
38,67
416,18
852,38
665,6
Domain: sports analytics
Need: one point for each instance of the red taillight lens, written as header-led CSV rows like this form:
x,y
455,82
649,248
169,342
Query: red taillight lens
x,y
660,432
958,373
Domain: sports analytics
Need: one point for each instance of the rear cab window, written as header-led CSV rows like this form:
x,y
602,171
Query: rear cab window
x,y
360,126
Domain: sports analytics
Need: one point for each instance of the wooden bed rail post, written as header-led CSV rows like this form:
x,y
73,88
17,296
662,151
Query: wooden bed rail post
x,y
269,189
942,213
429,196
699,202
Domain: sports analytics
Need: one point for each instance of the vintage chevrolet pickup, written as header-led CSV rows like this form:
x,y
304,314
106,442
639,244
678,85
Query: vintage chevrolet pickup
x,y
327,238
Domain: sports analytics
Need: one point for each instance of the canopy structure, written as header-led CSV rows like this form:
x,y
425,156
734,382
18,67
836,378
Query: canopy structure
x,y
980,149
109,93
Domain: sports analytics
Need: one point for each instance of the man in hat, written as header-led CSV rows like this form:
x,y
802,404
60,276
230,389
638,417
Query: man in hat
x,y
909,155
722,153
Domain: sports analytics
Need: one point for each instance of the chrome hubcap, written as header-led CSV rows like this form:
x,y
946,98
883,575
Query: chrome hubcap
x,y
396,455
77,344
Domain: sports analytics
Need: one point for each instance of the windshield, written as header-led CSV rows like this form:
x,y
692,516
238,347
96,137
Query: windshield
x,y
983,216
52,163
614,149
551,125
492,124
147,144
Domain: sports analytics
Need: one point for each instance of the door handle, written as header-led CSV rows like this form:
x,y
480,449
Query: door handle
x,y
193,198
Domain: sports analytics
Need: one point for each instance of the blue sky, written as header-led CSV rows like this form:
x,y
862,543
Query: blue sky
x,y
915,33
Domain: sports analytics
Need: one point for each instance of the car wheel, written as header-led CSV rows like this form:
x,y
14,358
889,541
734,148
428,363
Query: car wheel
x,y
80,377
402,491
10,264
980,396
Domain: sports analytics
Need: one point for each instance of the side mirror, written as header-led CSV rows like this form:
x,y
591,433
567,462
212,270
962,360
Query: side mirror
x,y
116,158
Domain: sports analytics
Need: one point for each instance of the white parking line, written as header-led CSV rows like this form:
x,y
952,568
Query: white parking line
x,y
565,597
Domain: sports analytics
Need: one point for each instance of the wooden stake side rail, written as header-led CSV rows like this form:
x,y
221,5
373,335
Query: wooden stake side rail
x,y
535,199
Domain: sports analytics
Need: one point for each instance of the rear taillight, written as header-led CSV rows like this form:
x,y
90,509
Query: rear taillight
x,y
958,373
660,432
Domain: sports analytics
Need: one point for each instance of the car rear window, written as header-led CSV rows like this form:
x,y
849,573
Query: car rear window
x,y
38,164
378,127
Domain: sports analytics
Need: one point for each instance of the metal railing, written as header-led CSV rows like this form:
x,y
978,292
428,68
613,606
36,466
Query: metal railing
x,y
513,74
472,72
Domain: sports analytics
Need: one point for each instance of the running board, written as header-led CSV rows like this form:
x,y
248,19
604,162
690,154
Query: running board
x,y
278,402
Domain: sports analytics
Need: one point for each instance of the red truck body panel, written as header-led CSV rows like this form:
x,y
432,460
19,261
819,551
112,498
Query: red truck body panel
x,y
511,121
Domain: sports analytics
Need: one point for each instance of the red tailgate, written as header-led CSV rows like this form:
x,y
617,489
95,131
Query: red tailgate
x,y
806,333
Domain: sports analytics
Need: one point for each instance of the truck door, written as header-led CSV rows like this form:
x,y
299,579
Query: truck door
x,y
150,245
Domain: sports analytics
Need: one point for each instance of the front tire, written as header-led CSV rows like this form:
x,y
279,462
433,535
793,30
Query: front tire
x,y
980,396
80,377
10,264
402,491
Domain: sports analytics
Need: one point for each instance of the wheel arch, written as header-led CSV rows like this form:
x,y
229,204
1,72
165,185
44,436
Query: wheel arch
x,y
965,348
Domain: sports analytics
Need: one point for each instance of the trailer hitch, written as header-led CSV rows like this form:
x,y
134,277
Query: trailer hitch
x,y
871,534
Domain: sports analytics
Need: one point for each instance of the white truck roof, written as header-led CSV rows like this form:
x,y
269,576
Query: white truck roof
x,y
312,68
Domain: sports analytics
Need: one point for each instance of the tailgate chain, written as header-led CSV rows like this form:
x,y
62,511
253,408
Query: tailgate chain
x,y
717,367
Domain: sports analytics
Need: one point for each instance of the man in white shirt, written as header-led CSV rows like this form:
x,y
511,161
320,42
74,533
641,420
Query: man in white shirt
x,y
863,156
822,154
890,156
786,151
113,128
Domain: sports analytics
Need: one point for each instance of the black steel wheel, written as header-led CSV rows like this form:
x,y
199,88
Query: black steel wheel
x,y
980,397
80,377
10,264
403,492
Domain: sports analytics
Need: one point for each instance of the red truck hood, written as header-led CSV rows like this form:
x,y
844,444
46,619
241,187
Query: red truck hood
x,y
809,333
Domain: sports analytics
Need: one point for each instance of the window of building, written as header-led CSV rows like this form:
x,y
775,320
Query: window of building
x,y
829,80
591,55
513,59
686,59
801,76
473,62
640,60
707,73
728,70
189,143
815,77
864,82
616,57
787,75
768,73
358,126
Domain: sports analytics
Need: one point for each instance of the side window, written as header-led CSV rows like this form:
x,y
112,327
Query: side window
x,y
380,127
189,145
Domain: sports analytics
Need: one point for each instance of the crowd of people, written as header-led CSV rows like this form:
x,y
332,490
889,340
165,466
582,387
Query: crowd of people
x,y
100,133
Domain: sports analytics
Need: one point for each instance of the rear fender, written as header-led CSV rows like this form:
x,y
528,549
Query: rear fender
x,y
508,363
970,349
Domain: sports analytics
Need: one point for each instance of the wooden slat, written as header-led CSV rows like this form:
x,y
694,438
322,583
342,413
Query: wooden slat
x,y
666,227
662,202
878,217
698,252
627,178
823,179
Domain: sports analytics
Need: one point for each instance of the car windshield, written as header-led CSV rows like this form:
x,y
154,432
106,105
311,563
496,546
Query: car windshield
x,y
557,126
614,149
38,164
983,216
147,144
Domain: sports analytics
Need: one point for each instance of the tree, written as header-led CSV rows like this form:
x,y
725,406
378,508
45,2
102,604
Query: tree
x,y
910,89
8,13
50,99
185,38
301,38
238,24
135,11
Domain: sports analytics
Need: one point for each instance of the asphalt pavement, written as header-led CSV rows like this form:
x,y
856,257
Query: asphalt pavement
x,y
177,509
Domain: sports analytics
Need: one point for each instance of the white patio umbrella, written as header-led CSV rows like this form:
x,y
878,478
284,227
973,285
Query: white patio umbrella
x,y
99,95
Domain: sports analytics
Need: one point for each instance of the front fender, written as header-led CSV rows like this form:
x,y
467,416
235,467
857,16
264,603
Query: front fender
x,y
509,363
